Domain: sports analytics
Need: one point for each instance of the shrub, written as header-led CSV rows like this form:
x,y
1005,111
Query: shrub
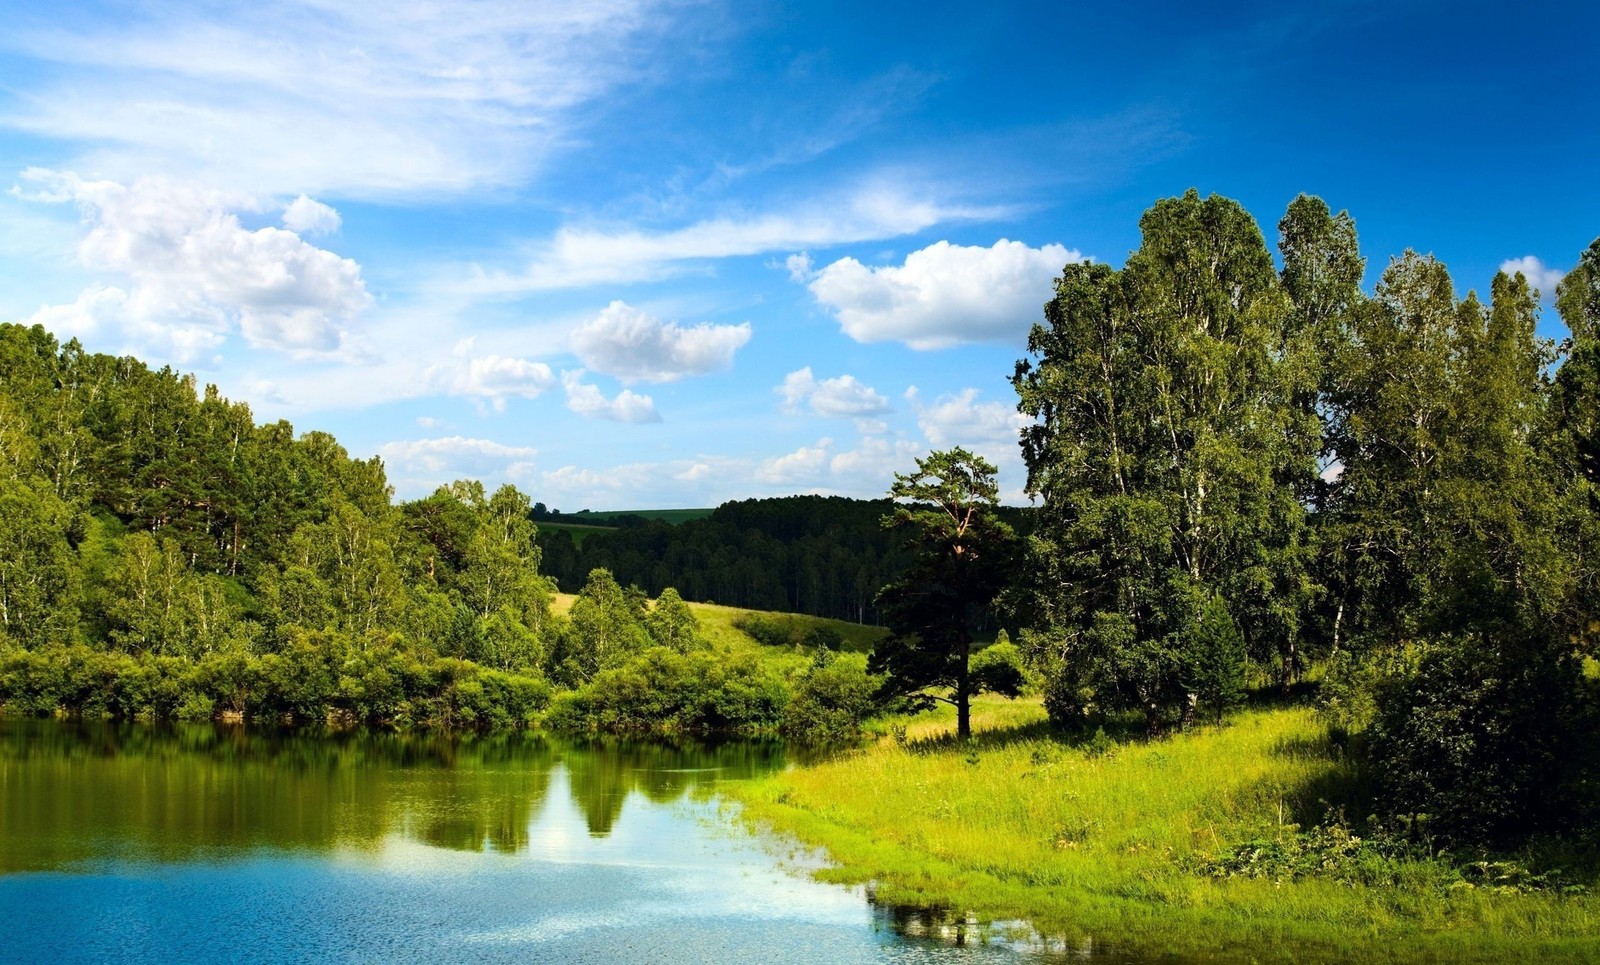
x,y
831,699
662,691
769,630
1469,734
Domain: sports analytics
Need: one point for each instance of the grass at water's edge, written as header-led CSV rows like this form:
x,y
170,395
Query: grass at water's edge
x,y
1099,846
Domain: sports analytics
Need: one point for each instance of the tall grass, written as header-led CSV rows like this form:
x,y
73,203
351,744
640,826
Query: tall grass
x,y
1098,840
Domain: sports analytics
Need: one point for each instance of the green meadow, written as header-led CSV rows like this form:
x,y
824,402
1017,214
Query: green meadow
x,y
1109,843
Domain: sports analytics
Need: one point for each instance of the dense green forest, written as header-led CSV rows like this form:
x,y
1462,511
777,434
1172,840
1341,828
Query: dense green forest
x,y
163,555
826,556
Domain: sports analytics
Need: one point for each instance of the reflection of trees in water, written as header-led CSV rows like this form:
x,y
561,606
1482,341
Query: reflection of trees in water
x,y
943,925
935,923
603,772
76,790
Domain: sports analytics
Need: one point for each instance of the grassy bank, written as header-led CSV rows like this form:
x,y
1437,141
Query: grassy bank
x,y
1102,843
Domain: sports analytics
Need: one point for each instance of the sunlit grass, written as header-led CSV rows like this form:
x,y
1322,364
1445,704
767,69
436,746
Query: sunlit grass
x,y
717,627
1019,825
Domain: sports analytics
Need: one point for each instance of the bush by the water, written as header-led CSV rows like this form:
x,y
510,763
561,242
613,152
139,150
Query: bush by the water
x,y
1471,732
313,680
832,699
665,692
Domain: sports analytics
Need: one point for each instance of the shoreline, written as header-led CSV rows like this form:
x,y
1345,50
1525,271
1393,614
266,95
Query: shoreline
x,y
1002,848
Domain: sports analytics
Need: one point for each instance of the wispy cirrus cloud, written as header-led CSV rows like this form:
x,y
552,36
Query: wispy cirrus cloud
x,y
363,100
578,256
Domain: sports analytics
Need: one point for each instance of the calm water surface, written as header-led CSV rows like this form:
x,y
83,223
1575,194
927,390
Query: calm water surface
x,y
142,843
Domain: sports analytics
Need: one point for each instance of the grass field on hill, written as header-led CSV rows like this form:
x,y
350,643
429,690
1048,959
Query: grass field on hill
x,y
717,626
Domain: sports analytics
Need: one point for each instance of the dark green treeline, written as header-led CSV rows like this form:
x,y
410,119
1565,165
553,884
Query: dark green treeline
x,y
826,556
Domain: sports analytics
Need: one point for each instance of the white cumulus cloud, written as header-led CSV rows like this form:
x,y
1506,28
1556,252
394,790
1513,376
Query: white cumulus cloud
x,y
960,420
841,397
803,466
192,273
587,400
1539,275
637,347
869,468
494,378
308,216
944,294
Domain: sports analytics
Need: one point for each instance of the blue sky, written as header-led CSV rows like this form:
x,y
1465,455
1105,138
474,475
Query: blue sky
x,y
630,254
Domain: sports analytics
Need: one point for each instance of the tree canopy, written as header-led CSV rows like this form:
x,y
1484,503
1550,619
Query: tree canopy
x,y
961,554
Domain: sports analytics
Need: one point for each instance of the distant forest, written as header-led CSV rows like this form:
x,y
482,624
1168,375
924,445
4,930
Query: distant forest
x,y
826,556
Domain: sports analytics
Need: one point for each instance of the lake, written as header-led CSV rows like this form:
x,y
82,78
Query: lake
x,y
147,843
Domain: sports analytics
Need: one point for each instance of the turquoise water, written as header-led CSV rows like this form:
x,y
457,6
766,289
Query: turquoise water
x,y
211,844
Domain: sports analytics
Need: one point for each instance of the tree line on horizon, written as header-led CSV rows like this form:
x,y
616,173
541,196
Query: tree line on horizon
x,y
825,556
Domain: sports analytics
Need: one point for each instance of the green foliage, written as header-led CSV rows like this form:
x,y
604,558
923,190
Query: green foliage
x,y
1447,522
1174,451
317,677
1442,557
607,628
999,669
1215,657
815,555
832,699
39,577
154,602
672,624
962,557
1472,733
780,630
163,556
661,691
1333,851
1402,855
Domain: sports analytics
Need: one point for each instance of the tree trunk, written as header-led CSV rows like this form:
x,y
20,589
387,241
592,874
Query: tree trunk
x,y
1286,681
963,696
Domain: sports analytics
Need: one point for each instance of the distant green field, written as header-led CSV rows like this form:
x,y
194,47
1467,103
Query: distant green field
x,y
673,516
716,625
